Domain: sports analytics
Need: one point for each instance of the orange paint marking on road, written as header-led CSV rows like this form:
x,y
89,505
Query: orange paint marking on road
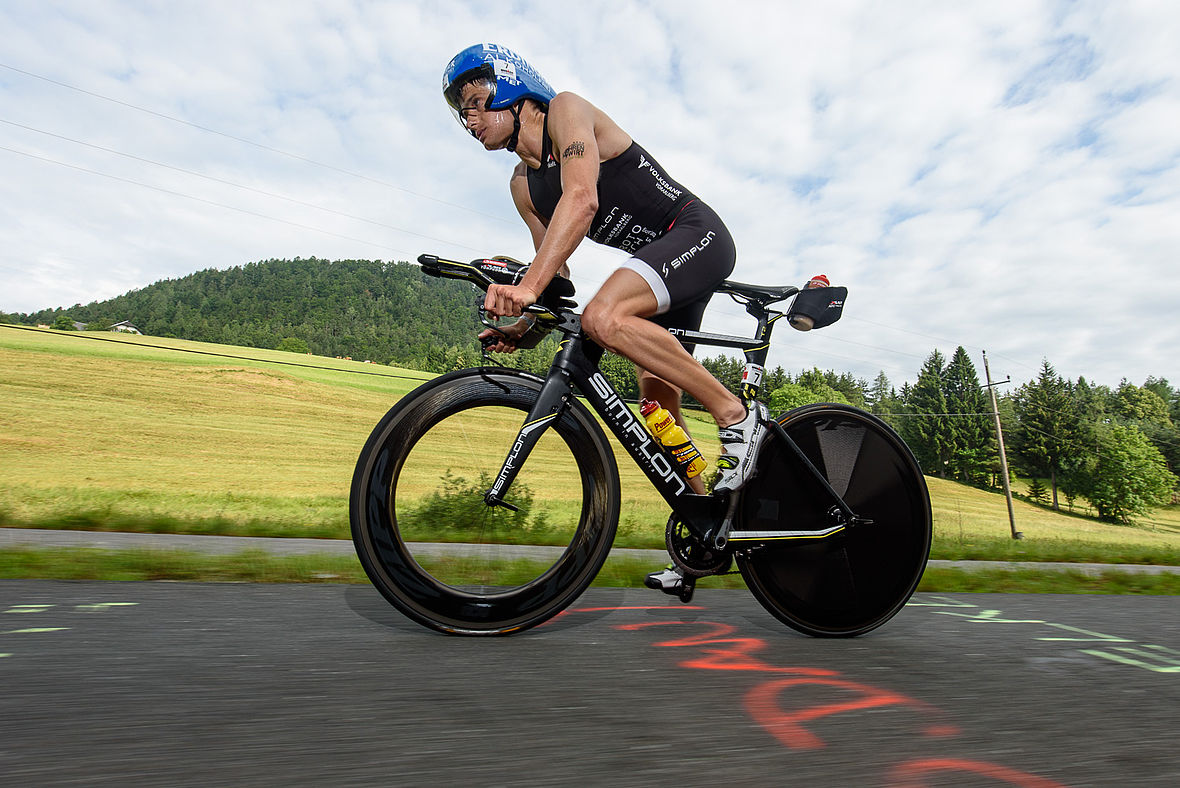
x,y
762,701
737,657
722,649
911,774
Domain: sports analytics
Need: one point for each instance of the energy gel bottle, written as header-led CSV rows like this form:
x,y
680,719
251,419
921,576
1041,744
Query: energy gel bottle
x,y
673,436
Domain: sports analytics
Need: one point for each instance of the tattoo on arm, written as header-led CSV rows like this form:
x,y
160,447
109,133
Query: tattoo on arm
x,y
576,149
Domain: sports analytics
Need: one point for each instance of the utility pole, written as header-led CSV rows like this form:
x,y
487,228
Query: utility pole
x,y
1000,440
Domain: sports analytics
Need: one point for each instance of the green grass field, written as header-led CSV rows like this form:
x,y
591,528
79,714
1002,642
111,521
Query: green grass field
x,y
109,432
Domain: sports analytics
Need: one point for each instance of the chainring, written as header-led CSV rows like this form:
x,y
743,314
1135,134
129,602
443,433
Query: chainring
x,y
692,557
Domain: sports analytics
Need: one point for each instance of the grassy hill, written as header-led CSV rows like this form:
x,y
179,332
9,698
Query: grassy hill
x,y
116,432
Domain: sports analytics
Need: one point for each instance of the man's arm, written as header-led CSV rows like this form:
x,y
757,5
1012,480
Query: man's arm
x,y
571,123
519,186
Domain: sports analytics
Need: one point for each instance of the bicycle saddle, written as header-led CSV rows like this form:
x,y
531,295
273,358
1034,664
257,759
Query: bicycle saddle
x,y
761,294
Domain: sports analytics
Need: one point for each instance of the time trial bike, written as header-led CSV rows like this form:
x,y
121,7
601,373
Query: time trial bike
x,y
487,499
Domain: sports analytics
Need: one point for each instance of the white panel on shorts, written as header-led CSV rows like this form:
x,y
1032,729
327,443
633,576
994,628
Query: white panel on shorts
x,y
658,288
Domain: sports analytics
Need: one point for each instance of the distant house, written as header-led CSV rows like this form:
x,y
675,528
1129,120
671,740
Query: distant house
x,y
79,326
126,327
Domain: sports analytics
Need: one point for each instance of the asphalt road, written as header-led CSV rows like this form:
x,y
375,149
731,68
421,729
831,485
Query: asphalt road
x,y
175,684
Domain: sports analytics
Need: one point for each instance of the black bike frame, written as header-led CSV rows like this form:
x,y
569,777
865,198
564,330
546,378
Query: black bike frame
x,y
575,367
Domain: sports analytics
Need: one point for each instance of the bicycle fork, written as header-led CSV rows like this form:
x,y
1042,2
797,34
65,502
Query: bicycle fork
x,y
550,405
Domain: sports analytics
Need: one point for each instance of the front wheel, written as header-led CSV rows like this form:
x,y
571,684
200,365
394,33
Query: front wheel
x,y
437,551
854,581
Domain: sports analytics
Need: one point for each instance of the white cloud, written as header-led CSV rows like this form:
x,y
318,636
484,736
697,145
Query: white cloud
x,y
999,175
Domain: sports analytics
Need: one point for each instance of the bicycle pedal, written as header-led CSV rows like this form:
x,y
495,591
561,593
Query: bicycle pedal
x,y
667,580
672,583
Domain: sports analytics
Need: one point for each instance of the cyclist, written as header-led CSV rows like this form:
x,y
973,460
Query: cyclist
x,y
580,175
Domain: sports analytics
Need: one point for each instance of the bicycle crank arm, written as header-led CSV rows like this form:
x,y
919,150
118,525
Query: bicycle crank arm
x,y
720,538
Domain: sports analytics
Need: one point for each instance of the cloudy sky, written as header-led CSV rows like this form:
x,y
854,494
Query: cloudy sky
x,y
995,175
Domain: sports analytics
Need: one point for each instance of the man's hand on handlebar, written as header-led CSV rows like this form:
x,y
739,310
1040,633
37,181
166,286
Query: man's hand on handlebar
x,y
504,338
508,300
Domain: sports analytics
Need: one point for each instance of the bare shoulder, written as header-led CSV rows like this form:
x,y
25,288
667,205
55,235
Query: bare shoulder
x,y
565,101
569,110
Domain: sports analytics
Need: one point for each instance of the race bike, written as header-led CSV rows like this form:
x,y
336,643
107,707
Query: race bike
x,y
486,500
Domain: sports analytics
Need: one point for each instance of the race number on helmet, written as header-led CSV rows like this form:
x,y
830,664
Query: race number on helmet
x,y
512,77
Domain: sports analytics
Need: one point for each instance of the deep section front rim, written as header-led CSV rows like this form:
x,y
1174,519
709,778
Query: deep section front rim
x,y
433,547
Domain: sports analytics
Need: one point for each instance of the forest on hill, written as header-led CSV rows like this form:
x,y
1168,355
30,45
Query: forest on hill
x,y
1117,448
387,312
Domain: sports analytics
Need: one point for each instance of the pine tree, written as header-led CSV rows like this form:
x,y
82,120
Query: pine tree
x,y
971,430
1037,491
928,431
1089,407
882,400
1046,428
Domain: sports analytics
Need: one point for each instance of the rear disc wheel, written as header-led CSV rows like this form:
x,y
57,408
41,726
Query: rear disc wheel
x,y
854,581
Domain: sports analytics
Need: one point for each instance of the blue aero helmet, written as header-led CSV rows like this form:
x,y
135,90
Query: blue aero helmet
x,y
511,76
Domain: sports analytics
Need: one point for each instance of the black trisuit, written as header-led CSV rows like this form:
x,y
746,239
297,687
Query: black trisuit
x,y
679,245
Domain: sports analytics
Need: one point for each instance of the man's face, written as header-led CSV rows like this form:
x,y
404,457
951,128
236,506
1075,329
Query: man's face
x,y
493,128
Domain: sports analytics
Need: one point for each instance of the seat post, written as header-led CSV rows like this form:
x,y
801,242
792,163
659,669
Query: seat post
x,y
756,356
757,299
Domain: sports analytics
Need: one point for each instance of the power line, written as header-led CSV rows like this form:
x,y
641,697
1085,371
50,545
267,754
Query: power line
x,y
872,347
203,200
386,184
1079,445
943,340
316,163
361,176
235,185
1079,417
259,145
1064,441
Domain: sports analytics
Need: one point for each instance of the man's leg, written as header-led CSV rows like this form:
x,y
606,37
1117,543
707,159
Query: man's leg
x,y
616,319
657,389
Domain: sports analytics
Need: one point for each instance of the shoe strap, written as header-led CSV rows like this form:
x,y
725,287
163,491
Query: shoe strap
x,y
730,435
